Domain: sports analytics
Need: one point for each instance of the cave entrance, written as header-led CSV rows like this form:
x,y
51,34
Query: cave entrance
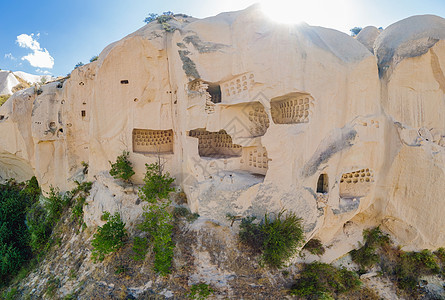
x,y
323,184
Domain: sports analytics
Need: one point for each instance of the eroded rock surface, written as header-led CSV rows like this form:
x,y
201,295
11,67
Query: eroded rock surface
x,y
252,116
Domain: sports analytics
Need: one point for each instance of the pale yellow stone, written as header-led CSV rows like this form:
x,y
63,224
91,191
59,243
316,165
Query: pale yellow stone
x,y
295,102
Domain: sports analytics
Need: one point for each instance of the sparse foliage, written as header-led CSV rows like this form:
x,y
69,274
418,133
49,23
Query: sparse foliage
x,y
79,64
94,58
162,19
356,30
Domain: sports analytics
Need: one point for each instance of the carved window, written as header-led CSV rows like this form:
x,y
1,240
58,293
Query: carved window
x,y
152,141
215,144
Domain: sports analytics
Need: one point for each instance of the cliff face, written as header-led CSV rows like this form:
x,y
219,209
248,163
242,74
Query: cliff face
x,y
252,116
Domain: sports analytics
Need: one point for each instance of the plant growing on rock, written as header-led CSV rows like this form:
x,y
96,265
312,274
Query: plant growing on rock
x,y
157,183
366,255
158,224
323,281
277,239
314,246
200,291
108,238
158,221
122,168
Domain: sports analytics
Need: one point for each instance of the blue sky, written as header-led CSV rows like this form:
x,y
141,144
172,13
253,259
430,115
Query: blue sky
x,y
52,36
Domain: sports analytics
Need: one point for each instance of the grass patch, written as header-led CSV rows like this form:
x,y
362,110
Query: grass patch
x,y
200,291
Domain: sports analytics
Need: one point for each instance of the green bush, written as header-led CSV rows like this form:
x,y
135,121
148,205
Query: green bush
x,y
122,168
411,266
140,248
314,246
157,183
440,253
366,256
277,239
323,281
158,224
14,235
11,294
108,238
94,58
200,291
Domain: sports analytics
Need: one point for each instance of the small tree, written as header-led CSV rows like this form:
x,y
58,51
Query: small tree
x,y
79,64
122,168
354,31
157,183
108,238
94,58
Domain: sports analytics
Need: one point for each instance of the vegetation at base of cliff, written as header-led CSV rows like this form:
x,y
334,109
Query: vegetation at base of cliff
x,y
108,238
82,191
403,268
34,219
276,239
158,221
139,248
158,184
122,168
200,291
366,256
314,246
324,281
15,238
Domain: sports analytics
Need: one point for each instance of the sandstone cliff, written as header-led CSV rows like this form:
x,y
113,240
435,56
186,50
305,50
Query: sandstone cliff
x,y
252,116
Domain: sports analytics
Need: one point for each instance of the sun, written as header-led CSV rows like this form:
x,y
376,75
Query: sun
x,y
327,13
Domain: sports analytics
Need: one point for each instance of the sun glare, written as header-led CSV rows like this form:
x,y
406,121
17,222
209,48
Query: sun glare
x,y
314,12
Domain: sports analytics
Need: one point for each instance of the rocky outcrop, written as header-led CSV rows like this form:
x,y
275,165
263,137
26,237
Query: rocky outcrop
x,y
251,116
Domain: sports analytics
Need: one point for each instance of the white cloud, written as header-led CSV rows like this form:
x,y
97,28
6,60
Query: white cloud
x,y
40,58
27,41
10,56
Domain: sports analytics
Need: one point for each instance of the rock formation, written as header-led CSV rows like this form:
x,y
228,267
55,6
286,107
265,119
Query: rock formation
x,y
252,116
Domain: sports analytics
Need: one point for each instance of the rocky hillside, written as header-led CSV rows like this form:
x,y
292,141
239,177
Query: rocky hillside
x,y
250,118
